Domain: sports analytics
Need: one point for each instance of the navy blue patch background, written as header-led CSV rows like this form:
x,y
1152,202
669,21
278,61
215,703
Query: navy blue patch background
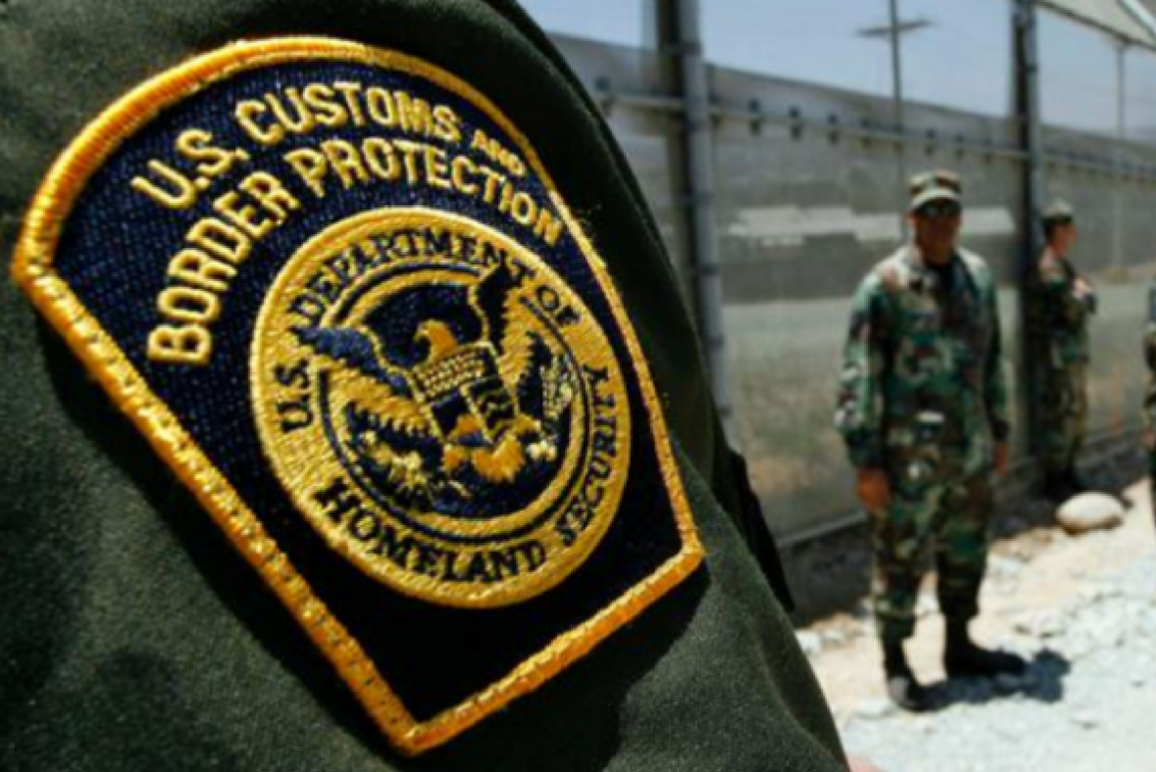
x,y
114,252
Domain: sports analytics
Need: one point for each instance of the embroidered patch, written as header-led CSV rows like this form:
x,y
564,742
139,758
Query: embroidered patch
x,y
337,290
441,407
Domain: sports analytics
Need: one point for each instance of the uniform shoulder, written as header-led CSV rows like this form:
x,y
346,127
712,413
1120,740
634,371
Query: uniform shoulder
x,y
974,262
889,274
977,267
1051,267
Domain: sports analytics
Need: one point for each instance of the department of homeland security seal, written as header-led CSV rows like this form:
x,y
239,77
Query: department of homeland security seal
x,y
441,406
338,292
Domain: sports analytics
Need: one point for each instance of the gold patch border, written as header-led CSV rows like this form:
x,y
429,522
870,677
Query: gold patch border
x,y
32,270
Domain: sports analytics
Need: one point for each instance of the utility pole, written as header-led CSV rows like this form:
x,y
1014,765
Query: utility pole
x,y
893,31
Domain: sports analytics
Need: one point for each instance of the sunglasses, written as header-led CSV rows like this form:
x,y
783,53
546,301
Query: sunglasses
x,y
937,209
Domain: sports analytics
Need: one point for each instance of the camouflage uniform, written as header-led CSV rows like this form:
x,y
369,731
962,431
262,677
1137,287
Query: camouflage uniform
x,y
1062,314
1150,393
923,398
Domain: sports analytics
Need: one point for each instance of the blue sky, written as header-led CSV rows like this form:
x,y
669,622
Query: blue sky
x,y
962,59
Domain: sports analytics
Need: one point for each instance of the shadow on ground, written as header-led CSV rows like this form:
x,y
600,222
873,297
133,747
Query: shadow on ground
x,y
1043,681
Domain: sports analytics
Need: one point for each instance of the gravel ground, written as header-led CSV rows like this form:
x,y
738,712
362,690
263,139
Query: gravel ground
x,y
1082,610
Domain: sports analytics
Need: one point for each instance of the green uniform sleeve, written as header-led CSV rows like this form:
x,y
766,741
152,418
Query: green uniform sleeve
x,y
859,414
995,381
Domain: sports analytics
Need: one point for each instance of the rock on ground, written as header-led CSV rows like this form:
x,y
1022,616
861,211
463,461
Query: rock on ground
x,y
1090,512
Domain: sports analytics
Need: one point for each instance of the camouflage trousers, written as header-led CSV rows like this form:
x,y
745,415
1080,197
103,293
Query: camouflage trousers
x,y
944,520
1064,408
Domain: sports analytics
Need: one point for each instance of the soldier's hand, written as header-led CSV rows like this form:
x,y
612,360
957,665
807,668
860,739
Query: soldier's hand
x,y
874,490
1002,458
1149,439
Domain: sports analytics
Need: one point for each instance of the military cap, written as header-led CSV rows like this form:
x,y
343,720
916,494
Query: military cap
x,y
939,185
1059,212
354,420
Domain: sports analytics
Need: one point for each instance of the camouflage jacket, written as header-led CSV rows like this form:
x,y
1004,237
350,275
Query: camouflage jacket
x,y
922,391
1060,311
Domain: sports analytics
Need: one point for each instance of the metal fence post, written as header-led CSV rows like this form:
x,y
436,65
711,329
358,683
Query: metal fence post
x,y
681,41
1027,67
1122,136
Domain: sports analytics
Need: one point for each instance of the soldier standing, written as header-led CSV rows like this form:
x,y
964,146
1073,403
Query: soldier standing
x,y
923,410
1065,300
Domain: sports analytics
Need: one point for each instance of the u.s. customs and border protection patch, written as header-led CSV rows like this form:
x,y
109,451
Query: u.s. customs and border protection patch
x,y
337,290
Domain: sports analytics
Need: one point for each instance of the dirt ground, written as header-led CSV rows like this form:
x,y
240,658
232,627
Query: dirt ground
x,y
1081,609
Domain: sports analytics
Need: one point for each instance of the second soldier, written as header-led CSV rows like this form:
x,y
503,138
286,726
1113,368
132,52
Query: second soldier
x,y
1063,301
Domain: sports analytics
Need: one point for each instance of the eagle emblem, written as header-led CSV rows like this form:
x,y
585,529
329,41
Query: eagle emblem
x,y
439,407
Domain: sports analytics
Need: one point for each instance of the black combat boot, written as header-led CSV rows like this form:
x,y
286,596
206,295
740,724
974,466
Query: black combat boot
x,y
902,687
962,658
1075,484
1056,487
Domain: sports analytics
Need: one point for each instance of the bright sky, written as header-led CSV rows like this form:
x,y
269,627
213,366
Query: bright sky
x,y
961,60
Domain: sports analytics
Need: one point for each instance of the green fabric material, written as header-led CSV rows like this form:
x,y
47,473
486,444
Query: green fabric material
x,y
1064,405
922,392
134,637
1063,304
947,522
